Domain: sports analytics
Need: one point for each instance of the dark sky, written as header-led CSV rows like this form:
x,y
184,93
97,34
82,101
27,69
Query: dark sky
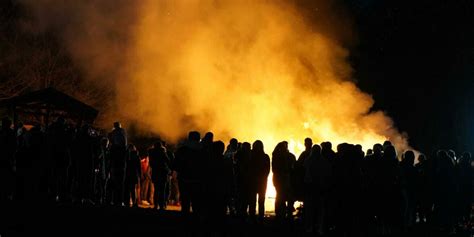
x,y
417,60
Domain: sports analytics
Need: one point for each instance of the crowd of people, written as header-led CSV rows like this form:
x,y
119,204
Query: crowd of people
x,y
345,189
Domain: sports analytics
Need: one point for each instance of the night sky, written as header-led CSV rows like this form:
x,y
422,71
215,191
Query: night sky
x,y
417,60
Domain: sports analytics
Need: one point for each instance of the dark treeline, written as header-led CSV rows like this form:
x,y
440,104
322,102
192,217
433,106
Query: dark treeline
x,y
345,191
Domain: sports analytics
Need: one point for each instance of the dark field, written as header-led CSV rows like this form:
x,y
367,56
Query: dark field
x,y
75,220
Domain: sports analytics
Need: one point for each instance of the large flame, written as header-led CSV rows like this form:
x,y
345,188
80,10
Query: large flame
x,y
245,69
248,69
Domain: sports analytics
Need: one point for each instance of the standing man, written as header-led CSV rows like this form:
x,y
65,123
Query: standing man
x,y
118,151
7,154
189,166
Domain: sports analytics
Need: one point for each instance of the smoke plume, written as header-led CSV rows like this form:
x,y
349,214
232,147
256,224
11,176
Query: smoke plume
x,y
248,69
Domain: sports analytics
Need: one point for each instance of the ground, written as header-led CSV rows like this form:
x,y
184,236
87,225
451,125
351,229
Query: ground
x,y
19,219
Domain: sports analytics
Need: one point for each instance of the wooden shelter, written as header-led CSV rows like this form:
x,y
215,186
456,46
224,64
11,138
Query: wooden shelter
x,y
45,105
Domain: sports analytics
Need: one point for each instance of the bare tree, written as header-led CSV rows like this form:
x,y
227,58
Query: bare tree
x,y
32,60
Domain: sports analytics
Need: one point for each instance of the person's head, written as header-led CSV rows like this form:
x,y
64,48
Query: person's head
x,y
378,148
6,123
369,152
257,146
234,143
246,146
390,152
409,158
358,148
315,151
208,137
452,154
117,125
308,143
218,147
340,148
443,159
387,143
326,146
285,145
280,148
194,136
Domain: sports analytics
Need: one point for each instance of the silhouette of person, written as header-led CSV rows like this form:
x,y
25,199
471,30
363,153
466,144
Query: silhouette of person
x,y
8,148
424,195
310,190
102,170
318,177
282,165
348,187
118,151
160,171
207,142
375,183
132,175
59,140
260,167
444,188
219,177
229,154
408,188
35,171
146,186
83,154
328,154
390,188
173,195
23,164
465,183
386,144
452,154
189,167
244,179
298,173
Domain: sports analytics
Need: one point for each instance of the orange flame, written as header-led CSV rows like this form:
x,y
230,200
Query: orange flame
x,y
244,69
241,68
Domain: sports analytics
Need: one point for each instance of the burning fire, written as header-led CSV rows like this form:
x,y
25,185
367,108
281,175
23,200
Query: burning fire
x,y
245,69
239,68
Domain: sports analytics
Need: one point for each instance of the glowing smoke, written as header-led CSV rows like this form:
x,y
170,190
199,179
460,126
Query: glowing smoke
x,y
249,69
